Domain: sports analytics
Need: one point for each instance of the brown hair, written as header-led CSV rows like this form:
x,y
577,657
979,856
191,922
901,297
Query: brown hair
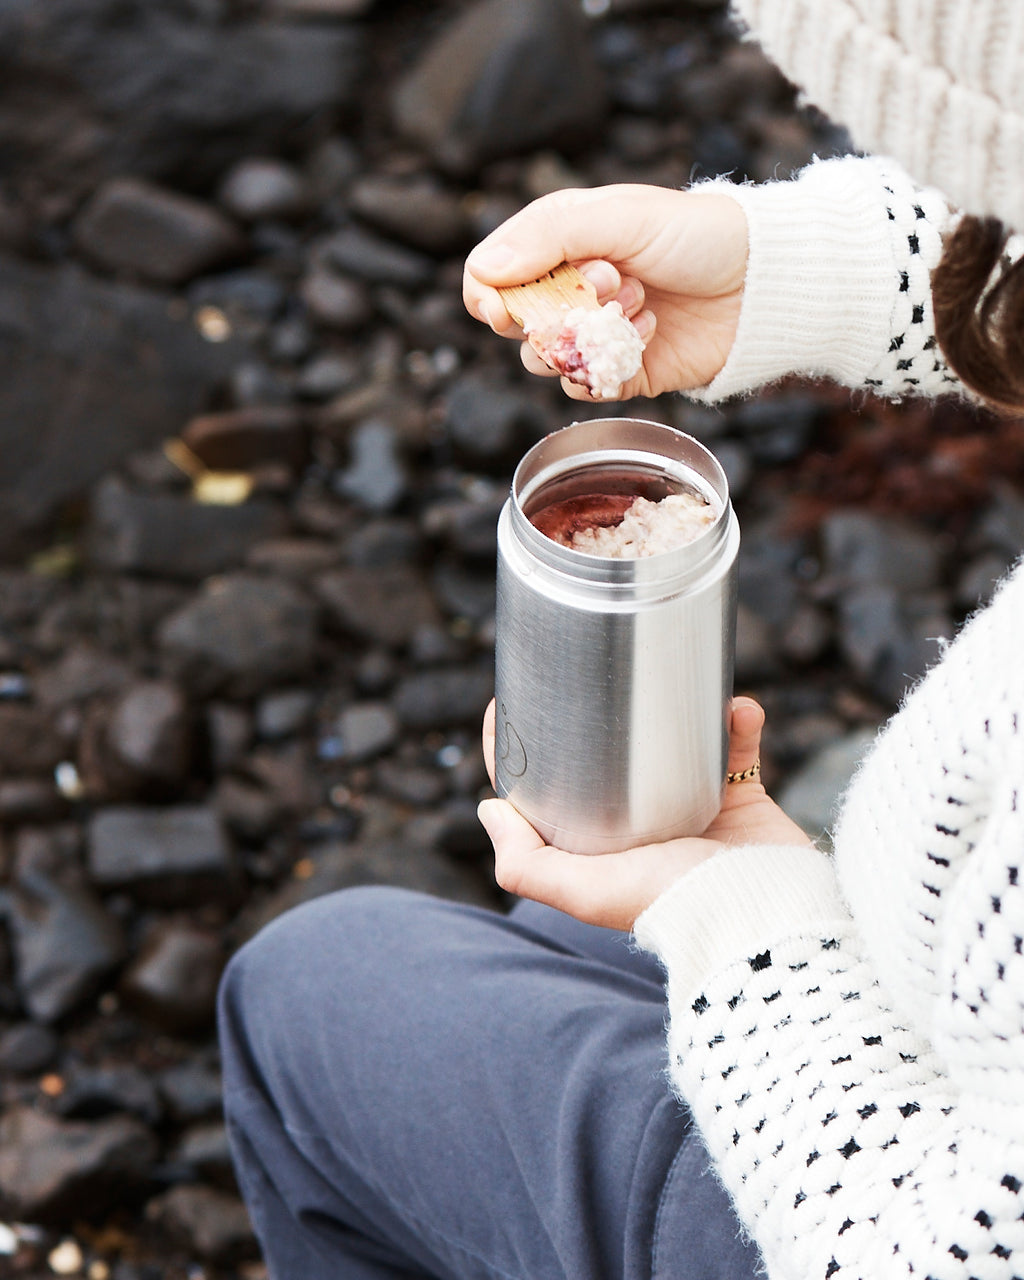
x,y
979,320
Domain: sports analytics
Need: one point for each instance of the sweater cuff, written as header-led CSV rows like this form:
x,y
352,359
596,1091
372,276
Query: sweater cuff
x,y
736,905
821,284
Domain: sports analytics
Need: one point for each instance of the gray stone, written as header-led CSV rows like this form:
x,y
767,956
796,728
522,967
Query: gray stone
x,y
30,800
192,1090
811,795
100,370
282,714
51,1168
205,1149
241,635
211,1222
80,673
861,547
384,605
173,979
65,943
488,421
149,731
443,697
171,536
891,638
160,90
92,1092
375,478
364,255
335,302
261,187
366,729
30,742
418,210
494,83
174,854
161,236
27,1048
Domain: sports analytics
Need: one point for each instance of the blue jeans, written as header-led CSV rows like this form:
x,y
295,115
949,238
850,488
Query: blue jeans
x,y
416,1088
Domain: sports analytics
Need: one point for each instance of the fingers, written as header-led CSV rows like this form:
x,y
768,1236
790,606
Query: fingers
x,y
746,724
487,733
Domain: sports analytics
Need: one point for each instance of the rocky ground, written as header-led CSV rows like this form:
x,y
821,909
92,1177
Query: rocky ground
x,y
254,456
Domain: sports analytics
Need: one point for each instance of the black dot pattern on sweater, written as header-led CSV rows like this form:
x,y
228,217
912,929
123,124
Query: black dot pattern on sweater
x,y
915,219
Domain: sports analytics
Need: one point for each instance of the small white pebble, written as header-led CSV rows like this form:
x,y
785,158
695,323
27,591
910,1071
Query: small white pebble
x,y
66,1259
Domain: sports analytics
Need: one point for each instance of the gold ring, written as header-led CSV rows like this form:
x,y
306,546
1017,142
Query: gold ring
x,y
747,774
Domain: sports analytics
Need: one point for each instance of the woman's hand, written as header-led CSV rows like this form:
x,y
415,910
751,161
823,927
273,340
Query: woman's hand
x,y
675,261
612,889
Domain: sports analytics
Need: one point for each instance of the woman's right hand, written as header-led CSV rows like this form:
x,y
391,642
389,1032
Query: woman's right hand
x,y
675,260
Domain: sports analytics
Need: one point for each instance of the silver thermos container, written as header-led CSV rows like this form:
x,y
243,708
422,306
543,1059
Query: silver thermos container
x,y
613,677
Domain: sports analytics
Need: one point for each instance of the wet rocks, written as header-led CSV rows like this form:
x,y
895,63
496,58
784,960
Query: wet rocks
x,y
50,1168
242,634
172,981
142,229
494,84
174,854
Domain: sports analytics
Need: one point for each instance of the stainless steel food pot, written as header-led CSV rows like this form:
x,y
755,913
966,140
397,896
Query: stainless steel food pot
x,y
613,676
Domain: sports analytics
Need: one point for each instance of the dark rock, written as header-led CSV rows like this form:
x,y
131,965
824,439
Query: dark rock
x,y
487,420
247,438
192,1090
30,742
173,980
281,715
136,227
175,854
363,255
213,1223
442,697
327,375
242,634
418,210
384,860
297,558
494,84
263,187
100,370
384,606
464,592
204,1149
50,1168
861,547
30,800
172,536
90,1093
150,732
364,730
375,478
28,1048
159,91
411,784
890,638
377,542
335,302
65,943
249,299
229,730
468,526
249,809
82,672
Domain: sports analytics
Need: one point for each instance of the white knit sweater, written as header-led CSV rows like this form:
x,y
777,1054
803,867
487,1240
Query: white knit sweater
x,y
849,1034
849,1031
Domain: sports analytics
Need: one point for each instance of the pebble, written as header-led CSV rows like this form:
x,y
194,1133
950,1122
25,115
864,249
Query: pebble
x,y
173,979
160,235
263,187
166,854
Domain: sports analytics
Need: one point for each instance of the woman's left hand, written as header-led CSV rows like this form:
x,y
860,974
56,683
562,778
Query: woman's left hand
x,y
612,889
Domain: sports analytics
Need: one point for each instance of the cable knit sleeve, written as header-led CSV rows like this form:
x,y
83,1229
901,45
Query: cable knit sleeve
x,y
838,281
850,1033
